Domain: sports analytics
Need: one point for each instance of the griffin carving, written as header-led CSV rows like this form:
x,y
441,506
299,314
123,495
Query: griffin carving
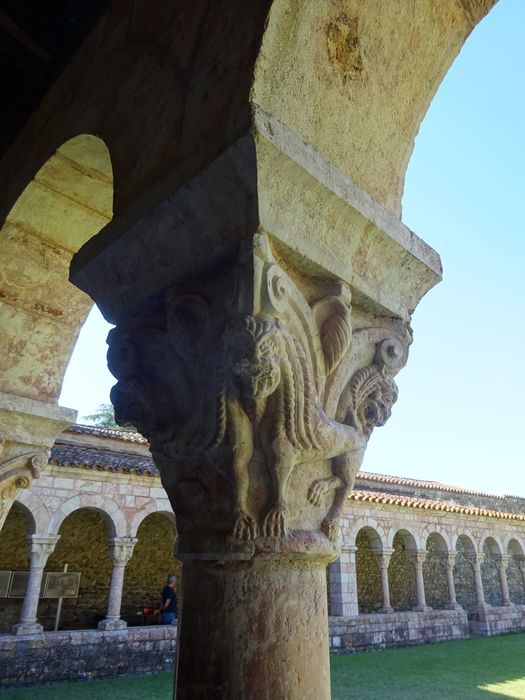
x,y
251,387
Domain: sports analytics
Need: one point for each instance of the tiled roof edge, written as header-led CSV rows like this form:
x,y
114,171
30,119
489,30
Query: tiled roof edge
x,y
403,481
124,435
428,504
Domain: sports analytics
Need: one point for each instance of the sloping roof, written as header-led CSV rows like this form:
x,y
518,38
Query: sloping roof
x,y
429,504
124,435
102,460
421,484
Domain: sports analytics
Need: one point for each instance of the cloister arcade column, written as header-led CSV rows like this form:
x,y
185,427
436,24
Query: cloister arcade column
x,y
41,546
477,560
502,563
450,561
120,552
419,557
384,562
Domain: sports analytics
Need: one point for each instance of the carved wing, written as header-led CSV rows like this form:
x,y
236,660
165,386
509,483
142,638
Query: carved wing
x,y
332,314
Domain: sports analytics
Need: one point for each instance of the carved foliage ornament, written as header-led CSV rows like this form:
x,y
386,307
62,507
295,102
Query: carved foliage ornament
x,y
235,404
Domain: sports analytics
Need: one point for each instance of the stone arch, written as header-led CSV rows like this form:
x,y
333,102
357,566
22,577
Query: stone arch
x,y
351,56
110,511
442,534
516,571
464,579
83,546
145,512
350,536
468,541
39,513
67,202
402,572
369,546
435,569
152,561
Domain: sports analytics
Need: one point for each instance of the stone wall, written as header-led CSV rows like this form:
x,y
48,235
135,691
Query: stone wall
x,y
14,556
82,655
369,590
516,583
83,546
402,577
435,577
464,579
491,579
149,566
380,631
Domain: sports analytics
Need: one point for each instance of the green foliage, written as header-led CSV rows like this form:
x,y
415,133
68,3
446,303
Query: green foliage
x,y
104,417
475,669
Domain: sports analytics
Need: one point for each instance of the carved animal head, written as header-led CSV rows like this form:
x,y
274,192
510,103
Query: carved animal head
x,y
373,394
253,356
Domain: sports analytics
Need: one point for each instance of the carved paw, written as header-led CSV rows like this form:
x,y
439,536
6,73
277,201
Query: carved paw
x,y
245,527
330,528
273,525
317,490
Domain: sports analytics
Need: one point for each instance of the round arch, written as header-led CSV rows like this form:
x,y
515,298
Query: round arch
x,y
110,511
148,510
350,536
68,201
40,515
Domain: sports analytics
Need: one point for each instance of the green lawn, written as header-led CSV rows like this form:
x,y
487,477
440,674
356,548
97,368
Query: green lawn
x,y
478,668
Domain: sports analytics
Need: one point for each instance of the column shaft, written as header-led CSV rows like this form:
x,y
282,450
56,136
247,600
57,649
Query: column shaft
x,y
419,558
253,629
478,559
453,603
41,547
121,551
384,561
502,565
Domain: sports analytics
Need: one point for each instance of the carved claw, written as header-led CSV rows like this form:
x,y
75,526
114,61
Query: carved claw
x,y
273,525
318,489
330,527
245,527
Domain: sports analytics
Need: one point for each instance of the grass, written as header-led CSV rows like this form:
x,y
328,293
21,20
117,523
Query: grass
x,y
474,669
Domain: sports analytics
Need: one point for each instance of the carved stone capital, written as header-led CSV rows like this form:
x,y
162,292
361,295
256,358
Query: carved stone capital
x,y
258,392
40,547
121,550
384,556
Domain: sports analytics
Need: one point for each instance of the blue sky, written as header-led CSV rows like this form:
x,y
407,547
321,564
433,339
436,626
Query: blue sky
x,y
461,409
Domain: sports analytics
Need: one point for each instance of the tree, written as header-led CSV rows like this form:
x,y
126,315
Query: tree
x,y
104,417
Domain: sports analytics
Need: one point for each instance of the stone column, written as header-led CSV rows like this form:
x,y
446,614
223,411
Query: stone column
x,y
41,546
418,558
256,343
120,552
384,561
450,562
477,561
503,562
343,584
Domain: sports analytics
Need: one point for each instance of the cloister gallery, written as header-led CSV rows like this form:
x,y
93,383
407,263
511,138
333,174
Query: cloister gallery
x,y
420,561
224,180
